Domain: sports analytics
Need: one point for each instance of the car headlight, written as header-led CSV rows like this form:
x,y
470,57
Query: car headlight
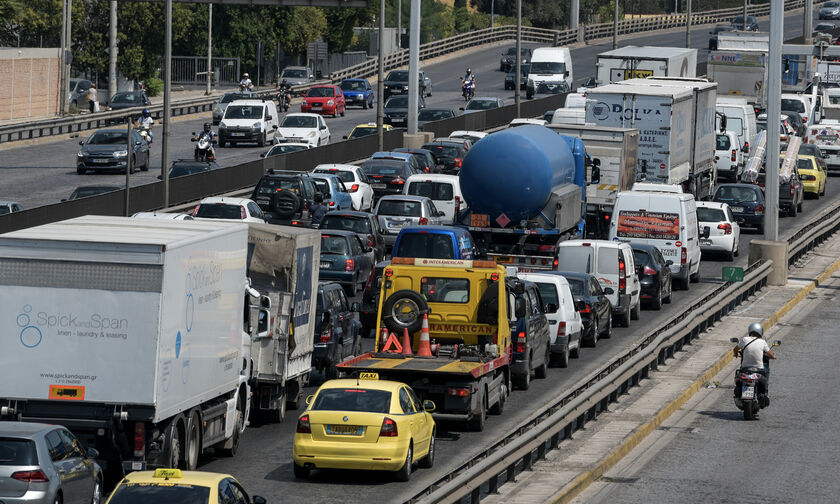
x,y
256,125
330,102
79,154
109,108
311,134
222,125
386,87
121,153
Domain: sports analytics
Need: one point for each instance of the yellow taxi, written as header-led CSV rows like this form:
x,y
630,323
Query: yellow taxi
x,y
173,486
365,423
366,129
812,175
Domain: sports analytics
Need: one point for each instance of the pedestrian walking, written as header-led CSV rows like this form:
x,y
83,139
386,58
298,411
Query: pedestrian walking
x,y
93,102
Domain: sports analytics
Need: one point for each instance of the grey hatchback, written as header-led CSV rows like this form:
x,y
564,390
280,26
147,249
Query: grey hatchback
x,y
42,463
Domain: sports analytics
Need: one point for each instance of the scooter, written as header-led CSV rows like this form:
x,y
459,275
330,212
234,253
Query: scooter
x,y
751,388
204,150
284,98
144,133
467,88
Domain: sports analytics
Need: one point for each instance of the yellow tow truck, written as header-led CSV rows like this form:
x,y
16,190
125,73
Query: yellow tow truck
x,y
467,304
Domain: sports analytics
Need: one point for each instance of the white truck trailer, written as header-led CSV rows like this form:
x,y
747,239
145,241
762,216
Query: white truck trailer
x,y
280,266
631,62
133,333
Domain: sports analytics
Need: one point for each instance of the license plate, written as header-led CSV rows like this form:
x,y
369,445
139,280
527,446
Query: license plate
x,y
397,120
100,160
737,209
747,392
705,242
378,186
316,105
325,264
669,252
504,259
237,134
345,430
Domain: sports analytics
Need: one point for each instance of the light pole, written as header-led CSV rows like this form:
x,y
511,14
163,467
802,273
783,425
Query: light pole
x,y
209,49
615,24
414,88
518,67
112,51
380,86
688,24
774,97
167,107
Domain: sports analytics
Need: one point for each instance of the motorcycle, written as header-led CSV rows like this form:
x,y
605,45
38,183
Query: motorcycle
x,y
751,387
204,150
467,88
284,98
143,131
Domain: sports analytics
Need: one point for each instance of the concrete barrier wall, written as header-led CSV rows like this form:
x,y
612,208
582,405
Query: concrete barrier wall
x,y
29,83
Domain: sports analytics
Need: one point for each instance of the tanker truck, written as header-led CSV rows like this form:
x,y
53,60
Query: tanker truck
x,y
524,188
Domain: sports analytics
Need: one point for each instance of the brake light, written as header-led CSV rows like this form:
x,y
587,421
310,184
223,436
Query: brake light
x,y
458,162
727,227
622,275
747,146
332,203
389,428
370,243
195,210
349,265
586,309
242,213
733,155
792,190
354,187
458,392
561,329
683,256
303,426
546,248
398,181
369,283
36,476
648,271
423,221
139,440
555,263
520,343
759,209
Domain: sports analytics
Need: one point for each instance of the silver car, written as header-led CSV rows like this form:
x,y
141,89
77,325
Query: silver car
x,y
297,75
397,211
42,463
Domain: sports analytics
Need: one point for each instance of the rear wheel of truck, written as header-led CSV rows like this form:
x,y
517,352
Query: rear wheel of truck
x,y
230,447
173,456
277,415
542,371
476,423
499,407
193,448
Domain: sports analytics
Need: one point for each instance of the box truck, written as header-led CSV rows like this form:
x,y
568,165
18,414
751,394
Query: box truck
x,y
633,62
133,333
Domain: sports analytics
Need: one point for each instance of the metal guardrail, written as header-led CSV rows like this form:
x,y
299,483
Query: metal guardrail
x,y
818,229
530,442
18,132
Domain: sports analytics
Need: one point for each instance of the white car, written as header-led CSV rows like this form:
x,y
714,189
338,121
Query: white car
x,y
355,181
729,155
305,128
522,121
472,136
162,215
220,207
724,232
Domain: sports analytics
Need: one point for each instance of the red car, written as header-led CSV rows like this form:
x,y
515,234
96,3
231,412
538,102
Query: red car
x,y
324,100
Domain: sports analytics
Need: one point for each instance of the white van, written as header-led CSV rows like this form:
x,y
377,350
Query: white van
x,y
569,116
564,324
664,216
444,190
613,264
550,64
249,121
740,118
826,136
798,103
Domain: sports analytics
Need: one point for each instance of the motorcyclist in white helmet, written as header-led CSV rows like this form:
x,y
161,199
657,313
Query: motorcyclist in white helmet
x,y
755,353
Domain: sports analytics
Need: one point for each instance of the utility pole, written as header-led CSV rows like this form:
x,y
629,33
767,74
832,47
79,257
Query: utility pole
x,y
774,97
808,25
518,68
62,93
112,52
492,14
745,13
688,24
167,106
209,49
399,24
615,24
67,31
380,86
574,15
130,148
414,88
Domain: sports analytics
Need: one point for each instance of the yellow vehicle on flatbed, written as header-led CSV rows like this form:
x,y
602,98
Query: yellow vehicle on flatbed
x,y
468,307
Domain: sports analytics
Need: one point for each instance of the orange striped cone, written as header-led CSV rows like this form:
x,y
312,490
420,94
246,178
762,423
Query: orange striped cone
x,y
406,342
423,349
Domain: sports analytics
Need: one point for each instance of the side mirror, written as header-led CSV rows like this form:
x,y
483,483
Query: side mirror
x,y
160,177
193,133
428,406
440,213
460,108
706,232
551,308
519,309
309,399
263,154
669,262
734,340
92,453
268,118
580,305
262,324
608,291
596,171
63,200
275,127
257,499
325,320
81,142
355,307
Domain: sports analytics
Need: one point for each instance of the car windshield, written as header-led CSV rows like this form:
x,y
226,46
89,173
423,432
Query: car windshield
x,y
384,167
576,286
359,225
344,175
353,86
575,259
641,258
126,98
433,115
5,210
400,208
398,76
552,88
291,121
270,185
335,245
168,493
108,138
428,245
548,292
547,67
320,92
481,104
793,104
179,170
397,102
284,149
723,142
443,151
445,290
360,131
323,186
438,191
804,164
831,4
355,399
244,112
17,452
710,214
294,73
736,194
218,211
229,97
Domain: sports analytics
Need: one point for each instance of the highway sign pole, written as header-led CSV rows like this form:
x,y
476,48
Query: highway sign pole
x,y
688,25
414,89
112,51
808,24
63,96
167,106
615,24
774,97
399,24
517,71
129,147
745,12
380,86
574,15
210,49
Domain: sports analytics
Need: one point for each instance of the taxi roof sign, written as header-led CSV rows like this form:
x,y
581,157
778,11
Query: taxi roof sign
x,y
368,376
168,473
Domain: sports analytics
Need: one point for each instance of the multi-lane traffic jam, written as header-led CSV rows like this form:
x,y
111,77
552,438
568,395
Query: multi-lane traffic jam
x,y
419,288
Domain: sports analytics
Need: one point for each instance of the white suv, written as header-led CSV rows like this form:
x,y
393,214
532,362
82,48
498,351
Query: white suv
x,y
355,181
564,324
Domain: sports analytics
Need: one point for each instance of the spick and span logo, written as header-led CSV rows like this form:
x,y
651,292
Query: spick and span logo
x,y
30,335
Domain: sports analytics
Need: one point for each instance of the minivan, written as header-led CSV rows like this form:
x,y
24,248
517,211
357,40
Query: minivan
x,y
249,121
434,242
444,190
664,216
740,118
613,264
550,64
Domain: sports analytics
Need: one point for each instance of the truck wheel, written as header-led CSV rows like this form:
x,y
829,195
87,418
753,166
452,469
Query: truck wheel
x,y
499,407
277,415
193,448
403,310
542,371
173,458
429,460
301,472
232,445
634,312
476,423
404,474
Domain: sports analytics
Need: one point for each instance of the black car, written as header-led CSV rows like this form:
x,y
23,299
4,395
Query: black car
x,y
654,274
510,77
183,167
531,342
424,157
345,259
449,155
108,150
795,120
370,300
396,110
508,59
738,23
285,197
337,335
129,99
746,202
396,83
387,176
593,305
91,190
364,224
428,115
713,40
284,148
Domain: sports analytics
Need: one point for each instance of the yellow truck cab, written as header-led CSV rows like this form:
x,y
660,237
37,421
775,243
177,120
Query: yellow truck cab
x,y
463,362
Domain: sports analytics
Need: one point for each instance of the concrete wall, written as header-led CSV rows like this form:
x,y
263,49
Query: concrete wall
x,y
29,82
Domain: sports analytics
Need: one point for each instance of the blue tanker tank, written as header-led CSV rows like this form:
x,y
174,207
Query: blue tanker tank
x,y
513,172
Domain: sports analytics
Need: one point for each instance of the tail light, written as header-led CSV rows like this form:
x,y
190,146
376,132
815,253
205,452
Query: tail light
x,y
747,146
733,155
458,391
398,181
423,221
622,275
648,271
195,210
457,204
36,476
586,309
139,440
371,243
303,426
349,265
561,329
727,227
389,428
354,187
242,213
520,343
332,203
326,336
555,263
369,284
792,190
458,162
683,256
759,209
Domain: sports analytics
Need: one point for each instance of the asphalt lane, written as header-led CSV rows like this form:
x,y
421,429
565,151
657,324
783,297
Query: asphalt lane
x,y
787,455
45,173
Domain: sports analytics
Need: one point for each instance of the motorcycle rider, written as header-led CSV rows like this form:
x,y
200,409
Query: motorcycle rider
x,y
468,77
755,355
208,131
245,84
284,94
145,121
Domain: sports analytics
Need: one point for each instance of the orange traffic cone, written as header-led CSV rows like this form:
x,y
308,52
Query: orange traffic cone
x,y
406,342
423,349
